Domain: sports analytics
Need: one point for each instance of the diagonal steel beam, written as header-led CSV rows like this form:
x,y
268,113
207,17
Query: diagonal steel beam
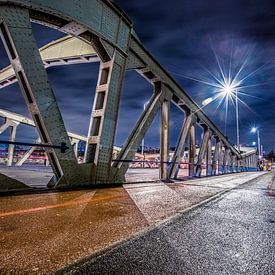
x,y
179,152
17,35
4,127
203,147
128,151
27,154
64,51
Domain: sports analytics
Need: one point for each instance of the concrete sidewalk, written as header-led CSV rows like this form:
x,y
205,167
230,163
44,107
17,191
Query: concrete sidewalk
x,y
42,233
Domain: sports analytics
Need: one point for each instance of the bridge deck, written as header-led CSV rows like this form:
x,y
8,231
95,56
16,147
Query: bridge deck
x,y
38,176
45,232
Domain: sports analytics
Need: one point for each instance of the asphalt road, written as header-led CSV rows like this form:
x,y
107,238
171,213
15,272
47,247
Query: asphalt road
x,y
233,234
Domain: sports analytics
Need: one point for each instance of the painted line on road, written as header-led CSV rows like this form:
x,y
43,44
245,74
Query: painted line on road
x,y
42,208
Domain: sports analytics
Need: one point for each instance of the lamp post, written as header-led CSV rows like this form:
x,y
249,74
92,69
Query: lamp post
x,y
237,120
142,142
229,91
256,130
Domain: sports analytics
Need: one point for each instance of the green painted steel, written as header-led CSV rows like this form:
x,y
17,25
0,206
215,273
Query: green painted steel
x,y
106,28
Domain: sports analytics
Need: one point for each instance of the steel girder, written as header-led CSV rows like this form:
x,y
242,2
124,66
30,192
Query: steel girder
x,y
64,51
109,31
160,95
188,122
12,119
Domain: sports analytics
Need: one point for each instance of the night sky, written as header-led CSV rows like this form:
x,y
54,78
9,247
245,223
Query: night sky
x,y
184,36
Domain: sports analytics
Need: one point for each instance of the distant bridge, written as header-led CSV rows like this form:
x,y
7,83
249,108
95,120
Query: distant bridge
x,y
13,120
100,31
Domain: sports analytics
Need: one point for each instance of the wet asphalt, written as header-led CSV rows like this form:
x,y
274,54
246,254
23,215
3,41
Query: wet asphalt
x,y
232,234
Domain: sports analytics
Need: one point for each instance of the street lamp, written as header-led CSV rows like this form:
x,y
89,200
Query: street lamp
x,y
256,130
228,91
207,101
237,119
231,91
142,142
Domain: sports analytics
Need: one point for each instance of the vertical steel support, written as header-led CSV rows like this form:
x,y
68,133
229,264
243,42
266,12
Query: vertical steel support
x,y
225,160
215,162
134,140
238,163
230,162
221,158
220,168
100,142
164,140
245,163
209,158
241,163
74,143
16,33
234,164
179,152
192,150
253,162
13,126
203,147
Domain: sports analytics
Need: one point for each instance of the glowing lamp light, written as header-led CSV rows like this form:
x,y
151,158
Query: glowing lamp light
x,y
254,143
253,130
228,90
207,101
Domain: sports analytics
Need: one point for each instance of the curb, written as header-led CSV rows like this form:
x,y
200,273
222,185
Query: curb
x,y
94,256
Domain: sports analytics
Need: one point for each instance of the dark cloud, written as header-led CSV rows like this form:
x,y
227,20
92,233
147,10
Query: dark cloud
x,y
180,34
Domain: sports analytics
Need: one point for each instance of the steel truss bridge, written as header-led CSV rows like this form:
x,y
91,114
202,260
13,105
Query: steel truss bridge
x,y
99,31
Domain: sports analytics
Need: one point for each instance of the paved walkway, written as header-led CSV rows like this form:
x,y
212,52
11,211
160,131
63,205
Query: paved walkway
x,y
45,232
233,234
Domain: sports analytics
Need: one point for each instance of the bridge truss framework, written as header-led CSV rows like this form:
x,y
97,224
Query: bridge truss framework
x,y
104,27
